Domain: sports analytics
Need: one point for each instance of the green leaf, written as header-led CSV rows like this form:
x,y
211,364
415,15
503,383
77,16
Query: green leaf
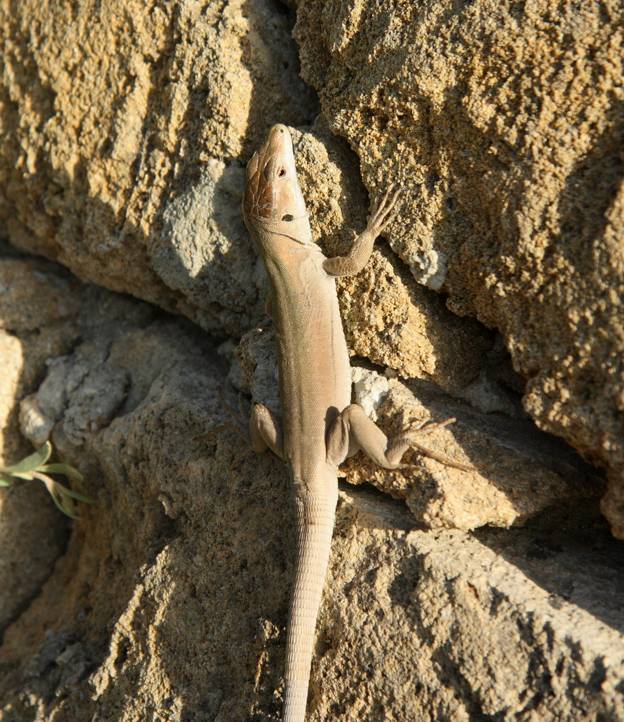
x,y
23,468
64,498
69,471
76,495
26,475
35,467
65,505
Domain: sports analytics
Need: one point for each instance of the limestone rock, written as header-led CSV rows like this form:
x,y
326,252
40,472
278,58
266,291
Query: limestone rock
x,y
503,127
38,305
33,535
106,137
43,313
171,599
164,523
518,470
132,177
506,625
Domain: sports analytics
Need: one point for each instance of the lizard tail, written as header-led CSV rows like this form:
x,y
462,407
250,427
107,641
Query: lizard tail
x,y
315,524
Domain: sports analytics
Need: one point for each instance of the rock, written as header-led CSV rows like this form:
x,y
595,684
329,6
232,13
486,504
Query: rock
x,y
520,624
43,313
388,318
139,188
150,108
155,465
171,599
38,305
504,130
518,470
33,535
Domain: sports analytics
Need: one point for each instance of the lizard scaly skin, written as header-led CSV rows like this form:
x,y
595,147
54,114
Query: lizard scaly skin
x,y
321,428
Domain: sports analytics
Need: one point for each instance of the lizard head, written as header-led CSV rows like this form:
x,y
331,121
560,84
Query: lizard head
x,y
273,200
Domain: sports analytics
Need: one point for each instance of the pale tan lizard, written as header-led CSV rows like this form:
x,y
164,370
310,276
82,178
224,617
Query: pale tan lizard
x,y
321,427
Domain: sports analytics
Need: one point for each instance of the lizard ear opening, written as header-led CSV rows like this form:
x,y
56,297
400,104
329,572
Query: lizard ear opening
x,y
287,217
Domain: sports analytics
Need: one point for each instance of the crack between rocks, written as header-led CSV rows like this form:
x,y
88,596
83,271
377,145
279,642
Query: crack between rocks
x,y
375,508
26,603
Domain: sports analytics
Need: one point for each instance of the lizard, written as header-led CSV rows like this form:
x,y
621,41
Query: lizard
x,y
319,426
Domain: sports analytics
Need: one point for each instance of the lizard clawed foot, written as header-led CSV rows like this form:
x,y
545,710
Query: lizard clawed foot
x,y
441,458
383,211
426,428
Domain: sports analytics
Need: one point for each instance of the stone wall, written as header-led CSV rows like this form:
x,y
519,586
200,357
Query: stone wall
x,y
495,297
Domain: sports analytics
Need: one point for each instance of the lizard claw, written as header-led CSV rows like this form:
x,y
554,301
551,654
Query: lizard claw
x,y
426,427
441,458
384,210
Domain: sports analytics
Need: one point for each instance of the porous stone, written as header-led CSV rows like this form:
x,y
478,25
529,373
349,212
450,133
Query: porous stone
x,y
517,471
171,599
133,177
503,125
38,305
509,625
150,107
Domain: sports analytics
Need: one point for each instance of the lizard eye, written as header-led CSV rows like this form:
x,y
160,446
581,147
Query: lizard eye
x,y
287,217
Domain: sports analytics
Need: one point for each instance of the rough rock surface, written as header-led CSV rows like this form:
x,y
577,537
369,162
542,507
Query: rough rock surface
x,y
121,155
489,628
517,470
37,310
155,210
504,125
170,601
102,137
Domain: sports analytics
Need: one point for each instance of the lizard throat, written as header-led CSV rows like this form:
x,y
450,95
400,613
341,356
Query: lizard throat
x,y
276,228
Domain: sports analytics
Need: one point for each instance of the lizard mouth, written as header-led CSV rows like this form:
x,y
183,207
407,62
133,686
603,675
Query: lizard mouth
x,y
272,190
279,139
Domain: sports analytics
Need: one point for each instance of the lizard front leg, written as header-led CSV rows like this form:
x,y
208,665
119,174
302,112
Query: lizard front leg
x,y
362,246
353,431
265,431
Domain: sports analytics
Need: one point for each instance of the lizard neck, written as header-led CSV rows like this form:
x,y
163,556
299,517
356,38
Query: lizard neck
x,y
272,236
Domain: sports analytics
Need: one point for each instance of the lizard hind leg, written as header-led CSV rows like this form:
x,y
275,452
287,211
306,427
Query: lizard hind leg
x,y
353,431
265,431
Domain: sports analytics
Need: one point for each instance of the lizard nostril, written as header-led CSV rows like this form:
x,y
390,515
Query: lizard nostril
x,y
281,173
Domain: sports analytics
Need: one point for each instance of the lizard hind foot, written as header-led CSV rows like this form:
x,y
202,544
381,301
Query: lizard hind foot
x,y
426,427
441,458
409,438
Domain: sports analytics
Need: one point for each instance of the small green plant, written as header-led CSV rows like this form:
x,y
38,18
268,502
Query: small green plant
x,y
35,467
